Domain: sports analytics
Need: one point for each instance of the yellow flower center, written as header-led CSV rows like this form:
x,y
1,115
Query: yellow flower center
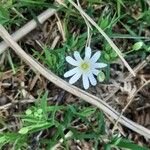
x,y
84,66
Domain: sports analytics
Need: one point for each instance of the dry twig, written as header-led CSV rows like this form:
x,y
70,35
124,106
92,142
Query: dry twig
x,y
70,88
129,102
139,67
28,28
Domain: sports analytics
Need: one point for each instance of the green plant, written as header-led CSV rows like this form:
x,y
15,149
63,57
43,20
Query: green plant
x,y
119,142
43,118
12,11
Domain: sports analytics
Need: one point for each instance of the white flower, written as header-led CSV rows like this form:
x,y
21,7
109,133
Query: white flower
x,y
87,67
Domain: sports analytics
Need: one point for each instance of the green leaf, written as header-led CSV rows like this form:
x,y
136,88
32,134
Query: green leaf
x,y
107,57
39,111
129,145
68,118
87,112
107,147
11,138
101,123
148,49
35,127
95,1
104,22
28,112
113,54
44,104
56,108
116,140
2,139
4,15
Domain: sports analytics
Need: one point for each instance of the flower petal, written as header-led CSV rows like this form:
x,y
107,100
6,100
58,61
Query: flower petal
x,y
96,56
71,61
85,81
77,56
71,72
75,78
95,71
88,53
99,65
92,79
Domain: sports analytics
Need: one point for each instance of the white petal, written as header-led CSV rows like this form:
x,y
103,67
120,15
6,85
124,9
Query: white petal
x,y
92,79
96,56
77,56
85,81
87,53
71,61
71,72
99,65
95,71
75,78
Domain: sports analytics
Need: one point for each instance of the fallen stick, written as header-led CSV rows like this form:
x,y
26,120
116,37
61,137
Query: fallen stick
x,y
70,88
27,28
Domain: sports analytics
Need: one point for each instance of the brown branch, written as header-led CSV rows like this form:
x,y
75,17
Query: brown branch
x,y
129,102
70,88
27,28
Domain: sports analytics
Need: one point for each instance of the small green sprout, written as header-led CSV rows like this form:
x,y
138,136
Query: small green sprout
x,y
101,76
137,46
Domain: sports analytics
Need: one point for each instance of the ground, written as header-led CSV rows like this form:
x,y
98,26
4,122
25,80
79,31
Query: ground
x,y
36,112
